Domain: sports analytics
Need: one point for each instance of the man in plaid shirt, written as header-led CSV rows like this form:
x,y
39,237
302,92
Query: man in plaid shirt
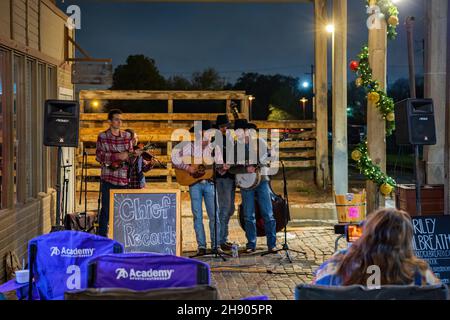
x,y
113,147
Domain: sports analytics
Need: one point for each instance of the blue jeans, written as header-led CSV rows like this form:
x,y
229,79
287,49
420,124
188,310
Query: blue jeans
x,y
204,190
226,189
103,219
265,205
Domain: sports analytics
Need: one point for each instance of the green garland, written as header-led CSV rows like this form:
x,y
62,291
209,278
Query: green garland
x,y
371,171
388,9
384,104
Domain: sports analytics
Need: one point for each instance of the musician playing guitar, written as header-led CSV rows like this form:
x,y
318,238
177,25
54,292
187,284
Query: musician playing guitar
x,y
202,189
262,191
113,149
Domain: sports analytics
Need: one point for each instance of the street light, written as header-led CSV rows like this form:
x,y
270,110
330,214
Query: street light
x,y
330,28
304,101
305,84
250,99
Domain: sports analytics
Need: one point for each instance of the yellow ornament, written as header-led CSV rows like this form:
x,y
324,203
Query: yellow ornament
x,y
386,189
390,117
356,155
373,97
359,82
393,21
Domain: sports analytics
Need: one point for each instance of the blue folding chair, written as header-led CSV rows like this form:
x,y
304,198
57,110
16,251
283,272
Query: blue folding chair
x,y
144,271
58,261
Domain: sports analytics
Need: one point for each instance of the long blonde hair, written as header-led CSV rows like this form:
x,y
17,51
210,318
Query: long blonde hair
x,y
387,242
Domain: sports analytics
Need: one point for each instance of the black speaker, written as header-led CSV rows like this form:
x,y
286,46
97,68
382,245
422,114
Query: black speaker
x,y
414,122
61,123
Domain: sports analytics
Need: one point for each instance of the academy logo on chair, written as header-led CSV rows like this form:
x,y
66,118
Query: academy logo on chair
x,y
145,275
72,252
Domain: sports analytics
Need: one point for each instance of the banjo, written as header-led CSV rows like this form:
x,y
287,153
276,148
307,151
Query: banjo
x,y
248,181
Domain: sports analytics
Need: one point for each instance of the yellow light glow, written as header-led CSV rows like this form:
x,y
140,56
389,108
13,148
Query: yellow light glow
x,y
95,104
330,28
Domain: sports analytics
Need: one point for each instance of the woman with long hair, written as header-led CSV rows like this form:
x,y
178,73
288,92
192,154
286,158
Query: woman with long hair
x,y
386,242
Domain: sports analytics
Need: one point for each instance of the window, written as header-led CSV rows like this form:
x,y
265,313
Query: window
x,y
21,160
52,94
2,104
41,94
30,131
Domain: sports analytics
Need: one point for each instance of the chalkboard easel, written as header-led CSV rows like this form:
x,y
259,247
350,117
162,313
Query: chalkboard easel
x,y
145,220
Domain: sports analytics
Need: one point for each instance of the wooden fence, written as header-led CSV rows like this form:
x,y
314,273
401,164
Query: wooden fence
x,y
297,152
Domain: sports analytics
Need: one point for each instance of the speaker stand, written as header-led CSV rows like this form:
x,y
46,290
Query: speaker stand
x,y
58,188
418,182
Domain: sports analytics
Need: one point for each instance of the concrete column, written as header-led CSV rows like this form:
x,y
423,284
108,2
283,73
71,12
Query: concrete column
x,y
376,125
340,62
447,126
321,93
435,84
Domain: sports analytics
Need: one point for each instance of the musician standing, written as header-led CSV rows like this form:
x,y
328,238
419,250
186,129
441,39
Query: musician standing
x,y
113,147
225,183
202,190
138,166
262,191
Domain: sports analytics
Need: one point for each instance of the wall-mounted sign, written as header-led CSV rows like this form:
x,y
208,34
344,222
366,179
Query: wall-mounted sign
x,y
92,73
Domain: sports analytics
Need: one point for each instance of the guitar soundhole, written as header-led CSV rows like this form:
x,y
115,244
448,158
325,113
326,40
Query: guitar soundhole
x,y
200,172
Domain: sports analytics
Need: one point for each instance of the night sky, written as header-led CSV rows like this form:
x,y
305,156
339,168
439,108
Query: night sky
x,y
232,38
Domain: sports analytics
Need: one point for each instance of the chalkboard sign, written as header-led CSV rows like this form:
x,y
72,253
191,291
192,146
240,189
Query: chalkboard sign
x,y
432,243
146,220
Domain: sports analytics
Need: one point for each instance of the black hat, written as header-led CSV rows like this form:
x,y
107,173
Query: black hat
x,y
243,124
206,125
240,124
222,120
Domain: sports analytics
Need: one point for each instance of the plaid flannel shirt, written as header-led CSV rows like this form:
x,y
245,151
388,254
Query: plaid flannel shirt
x,y
108,146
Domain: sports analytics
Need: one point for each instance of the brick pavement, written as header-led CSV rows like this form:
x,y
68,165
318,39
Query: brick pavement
x,y
252,275
272,275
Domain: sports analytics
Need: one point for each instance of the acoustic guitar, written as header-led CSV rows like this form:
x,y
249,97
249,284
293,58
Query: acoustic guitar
x,y
203,172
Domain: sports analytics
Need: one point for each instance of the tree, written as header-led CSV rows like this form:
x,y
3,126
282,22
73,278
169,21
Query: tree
x,y
178,83
356,98
278,90
139,73
399,90
209,79
277,114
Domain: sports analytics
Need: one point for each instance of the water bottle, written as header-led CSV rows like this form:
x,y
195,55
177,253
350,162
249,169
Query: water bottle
x,y
235,250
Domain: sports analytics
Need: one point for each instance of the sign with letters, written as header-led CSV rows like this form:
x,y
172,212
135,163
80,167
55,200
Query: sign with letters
x,y
432,243
92,73
146,220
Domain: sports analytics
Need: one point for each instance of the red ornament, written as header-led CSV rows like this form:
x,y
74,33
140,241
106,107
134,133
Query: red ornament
x,y
354,65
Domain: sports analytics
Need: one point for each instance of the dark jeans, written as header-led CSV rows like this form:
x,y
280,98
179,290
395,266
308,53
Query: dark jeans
x,y
103,220
226,189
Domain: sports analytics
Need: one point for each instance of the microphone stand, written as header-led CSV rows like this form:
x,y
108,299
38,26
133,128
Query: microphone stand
x,y
85,157
287,214
99,200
